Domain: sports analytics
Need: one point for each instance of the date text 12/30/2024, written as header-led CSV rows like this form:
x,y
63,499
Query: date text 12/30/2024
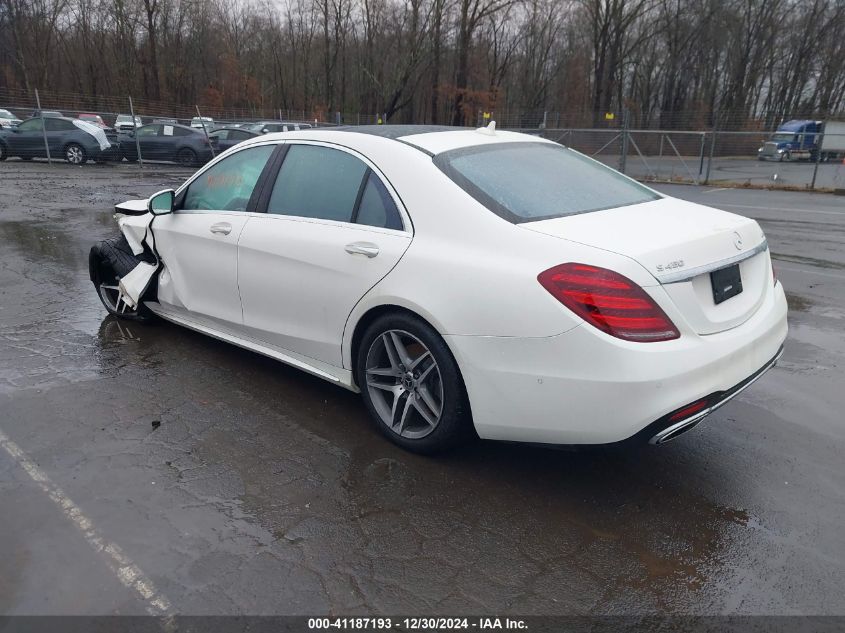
x,y
417,624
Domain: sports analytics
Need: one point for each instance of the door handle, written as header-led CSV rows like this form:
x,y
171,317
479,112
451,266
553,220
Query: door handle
x,y
362,248
221,228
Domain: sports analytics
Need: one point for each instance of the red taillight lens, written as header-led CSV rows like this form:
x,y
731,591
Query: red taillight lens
x,y
609,301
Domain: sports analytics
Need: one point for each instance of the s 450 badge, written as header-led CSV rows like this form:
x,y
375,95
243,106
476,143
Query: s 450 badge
x,y
678,263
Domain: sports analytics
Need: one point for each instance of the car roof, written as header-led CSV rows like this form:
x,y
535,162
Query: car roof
x,y
429,139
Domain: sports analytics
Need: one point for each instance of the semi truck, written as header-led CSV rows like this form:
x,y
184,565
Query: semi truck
x,y
799,140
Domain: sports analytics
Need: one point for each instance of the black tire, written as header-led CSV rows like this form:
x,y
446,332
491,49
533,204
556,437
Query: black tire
x,y
108,261
4,153
455,422
186,157
26,157
75,154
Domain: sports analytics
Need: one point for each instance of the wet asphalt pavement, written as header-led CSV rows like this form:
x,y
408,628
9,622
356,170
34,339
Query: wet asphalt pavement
x,y
266,491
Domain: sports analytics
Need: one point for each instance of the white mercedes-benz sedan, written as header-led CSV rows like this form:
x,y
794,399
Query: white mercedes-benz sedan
x,y
466,282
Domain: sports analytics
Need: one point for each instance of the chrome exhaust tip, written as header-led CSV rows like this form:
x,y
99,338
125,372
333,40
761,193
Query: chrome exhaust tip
x,y
679,428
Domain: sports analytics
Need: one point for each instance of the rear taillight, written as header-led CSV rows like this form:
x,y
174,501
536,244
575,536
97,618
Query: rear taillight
x,y
609,301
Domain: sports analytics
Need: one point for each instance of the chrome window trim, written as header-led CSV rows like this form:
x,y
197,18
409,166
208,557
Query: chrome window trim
x,y
686,275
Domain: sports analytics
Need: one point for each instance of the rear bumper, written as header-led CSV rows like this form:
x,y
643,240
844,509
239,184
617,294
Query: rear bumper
x,y
584,387
671,426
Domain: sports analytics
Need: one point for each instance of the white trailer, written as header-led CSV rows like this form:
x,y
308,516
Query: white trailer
x,y
833,141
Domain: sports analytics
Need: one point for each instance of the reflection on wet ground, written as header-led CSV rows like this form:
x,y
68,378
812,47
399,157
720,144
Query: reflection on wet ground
x,y
243,486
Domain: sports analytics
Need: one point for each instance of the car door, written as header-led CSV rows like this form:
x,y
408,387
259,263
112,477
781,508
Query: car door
x,y
28,139
198,242
331,231
58,132
150,141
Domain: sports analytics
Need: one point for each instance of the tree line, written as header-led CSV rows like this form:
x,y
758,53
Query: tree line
x,y
669,63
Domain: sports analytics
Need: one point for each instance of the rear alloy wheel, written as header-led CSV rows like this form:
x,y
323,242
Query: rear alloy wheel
x,y
75,154
186,157
412,386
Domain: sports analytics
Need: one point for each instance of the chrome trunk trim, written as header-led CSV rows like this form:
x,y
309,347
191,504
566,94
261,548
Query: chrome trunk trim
x,y
686,275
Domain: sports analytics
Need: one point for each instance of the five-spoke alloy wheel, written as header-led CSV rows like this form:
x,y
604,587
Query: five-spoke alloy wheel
x,y
404,384
411,384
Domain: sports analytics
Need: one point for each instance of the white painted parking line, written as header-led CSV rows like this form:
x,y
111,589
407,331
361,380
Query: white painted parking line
x,y
126,571
778,268
715,190
790,209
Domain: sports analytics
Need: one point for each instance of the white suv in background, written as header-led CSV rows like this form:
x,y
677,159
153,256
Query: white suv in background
x,y
124,123
7,119
200,122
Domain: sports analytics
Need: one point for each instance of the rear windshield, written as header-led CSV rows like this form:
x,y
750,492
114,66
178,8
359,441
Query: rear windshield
x,y
525,182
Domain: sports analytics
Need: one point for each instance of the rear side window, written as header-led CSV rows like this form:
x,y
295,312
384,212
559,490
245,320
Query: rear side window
x,y
377,207
317,182
524,182
328,184
228,185
58,125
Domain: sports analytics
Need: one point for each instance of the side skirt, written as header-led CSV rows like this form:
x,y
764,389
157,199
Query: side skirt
x,y
335,375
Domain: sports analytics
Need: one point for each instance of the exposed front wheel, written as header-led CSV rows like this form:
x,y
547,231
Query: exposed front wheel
x,y
109,260
412,386
75,154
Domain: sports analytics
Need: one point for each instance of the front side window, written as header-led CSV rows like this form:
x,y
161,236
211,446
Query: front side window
x,y
31,125
525,182
149,130
228,185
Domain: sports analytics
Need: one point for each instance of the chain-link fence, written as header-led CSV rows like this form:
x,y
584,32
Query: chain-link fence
x,y
700,148
747,159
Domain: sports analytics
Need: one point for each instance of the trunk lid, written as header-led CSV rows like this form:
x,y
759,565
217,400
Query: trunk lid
x,y
680,243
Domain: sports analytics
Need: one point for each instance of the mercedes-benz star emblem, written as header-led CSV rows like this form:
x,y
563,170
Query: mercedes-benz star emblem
x,y
738,241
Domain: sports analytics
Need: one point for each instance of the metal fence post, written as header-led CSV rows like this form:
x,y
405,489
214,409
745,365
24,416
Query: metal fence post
x,y
701,155
43,127
710,159
818,158
205,131
135,134
623,158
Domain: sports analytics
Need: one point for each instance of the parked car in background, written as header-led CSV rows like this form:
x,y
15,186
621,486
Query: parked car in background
x,y
229,136
72,140
199,122
7,119
799,140
160,141
94,119
46,113
125,123
268,127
